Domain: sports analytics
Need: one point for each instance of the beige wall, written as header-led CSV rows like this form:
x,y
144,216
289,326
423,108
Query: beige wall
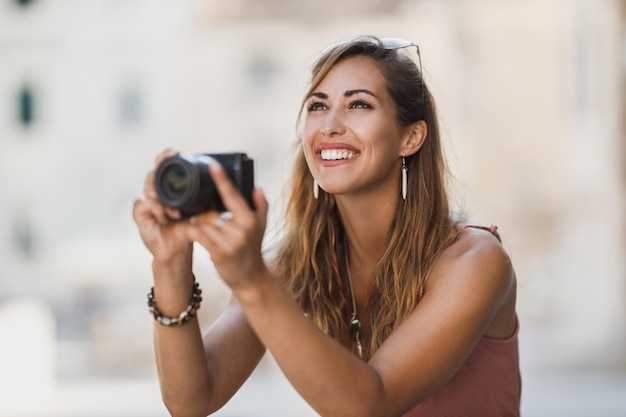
x,y
531,98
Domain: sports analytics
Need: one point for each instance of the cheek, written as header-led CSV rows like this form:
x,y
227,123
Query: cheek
x,y
309,159
308,128
307,148
307,134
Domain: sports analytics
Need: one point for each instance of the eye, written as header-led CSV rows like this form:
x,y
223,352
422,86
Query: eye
x,y
360,104
316,106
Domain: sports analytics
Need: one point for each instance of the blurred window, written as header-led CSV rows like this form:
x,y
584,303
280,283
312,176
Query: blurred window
x,y
130,106
23,236
261,73
26,101
24,3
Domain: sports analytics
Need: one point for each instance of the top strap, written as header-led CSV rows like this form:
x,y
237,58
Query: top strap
x,y
493,229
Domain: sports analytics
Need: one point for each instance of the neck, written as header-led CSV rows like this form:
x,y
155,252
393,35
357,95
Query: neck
x,y
367,222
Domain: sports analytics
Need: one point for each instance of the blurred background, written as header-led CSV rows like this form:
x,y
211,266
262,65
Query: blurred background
x,y
532,102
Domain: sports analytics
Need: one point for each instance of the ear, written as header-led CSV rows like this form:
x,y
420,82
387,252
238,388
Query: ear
x,y
414,138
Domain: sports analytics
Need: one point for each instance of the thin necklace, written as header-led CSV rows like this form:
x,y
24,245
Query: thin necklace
x,y
355,323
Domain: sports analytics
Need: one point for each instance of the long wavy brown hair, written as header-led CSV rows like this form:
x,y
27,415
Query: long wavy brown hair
x,y
311,256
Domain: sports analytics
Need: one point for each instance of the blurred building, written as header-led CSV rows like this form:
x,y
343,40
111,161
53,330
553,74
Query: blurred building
x,y
531,94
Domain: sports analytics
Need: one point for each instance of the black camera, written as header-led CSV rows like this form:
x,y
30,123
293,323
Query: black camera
x,y
183,182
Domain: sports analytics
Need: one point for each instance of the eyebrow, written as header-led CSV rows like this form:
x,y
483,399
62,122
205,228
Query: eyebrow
x,y
348,93
360,90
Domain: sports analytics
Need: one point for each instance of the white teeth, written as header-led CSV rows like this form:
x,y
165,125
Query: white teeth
x,y
335,154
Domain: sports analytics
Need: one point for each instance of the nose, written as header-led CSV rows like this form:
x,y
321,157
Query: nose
x,y
333,124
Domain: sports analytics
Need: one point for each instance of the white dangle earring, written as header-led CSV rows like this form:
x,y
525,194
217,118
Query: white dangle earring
x,y
404,178
316,189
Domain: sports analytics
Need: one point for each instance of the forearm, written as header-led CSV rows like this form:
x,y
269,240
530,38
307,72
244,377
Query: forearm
x,y
181,364
328,376
199,375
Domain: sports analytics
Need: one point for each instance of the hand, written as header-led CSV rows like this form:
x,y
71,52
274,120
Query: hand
x,y
234,244
160,228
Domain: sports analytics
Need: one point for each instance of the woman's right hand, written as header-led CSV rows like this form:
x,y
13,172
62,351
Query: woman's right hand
x,y
160,227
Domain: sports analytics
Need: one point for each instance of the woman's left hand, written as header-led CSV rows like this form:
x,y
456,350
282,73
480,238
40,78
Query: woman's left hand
x,y
234,244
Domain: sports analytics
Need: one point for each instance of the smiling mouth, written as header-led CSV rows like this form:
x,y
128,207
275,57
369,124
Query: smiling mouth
x,y
337,154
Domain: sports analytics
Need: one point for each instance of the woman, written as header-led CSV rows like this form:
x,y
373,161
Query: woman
x,y
377,301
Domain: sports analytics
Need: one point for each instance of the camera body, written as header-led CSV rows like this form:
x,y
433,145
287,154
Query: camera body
x,y
183,182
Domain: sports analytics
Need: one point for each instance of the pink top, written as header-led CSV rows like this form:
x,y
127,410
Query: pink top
x,y
487,385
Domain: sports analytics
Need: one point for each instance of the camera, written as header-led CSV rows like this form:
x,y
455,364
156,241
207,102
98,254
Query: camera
x,y
183,182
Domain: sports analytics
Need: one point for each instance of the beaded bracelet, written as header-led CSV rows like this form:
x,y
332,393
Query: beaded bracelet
x,y
186,315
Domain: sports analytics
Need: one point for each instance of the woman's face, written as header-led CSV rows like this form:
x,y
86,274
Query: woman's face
x,y
351,139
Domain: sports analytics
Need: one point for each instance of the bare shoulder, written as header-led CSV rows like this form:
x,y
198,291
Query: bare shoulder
x,y
478,269
478,250
472,242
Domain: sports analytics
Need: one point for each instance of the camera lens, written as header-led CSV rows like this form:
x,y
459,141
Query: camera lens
x,y
175,181
182,182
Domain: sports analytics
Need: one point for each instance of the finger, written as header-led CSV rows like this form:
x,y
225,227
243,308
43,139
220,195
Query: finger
x,y
150,178
207,217
149,193
164,155
203,232
219,229
173,213
140,210
149,181
231,197
151,210
224,218
262,207
148,186
215,223
208,223
157,211
137,205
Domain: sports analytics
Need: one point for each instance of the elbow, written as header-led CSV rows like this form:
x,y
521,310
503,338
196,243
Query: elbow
x,y
186,408
377,403
177,411
185,412
381,409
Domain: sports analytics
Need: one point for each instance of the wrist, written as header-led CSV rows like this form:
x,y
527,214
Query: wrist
x,y
179,264
184,316
173,252
173,282
254,290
